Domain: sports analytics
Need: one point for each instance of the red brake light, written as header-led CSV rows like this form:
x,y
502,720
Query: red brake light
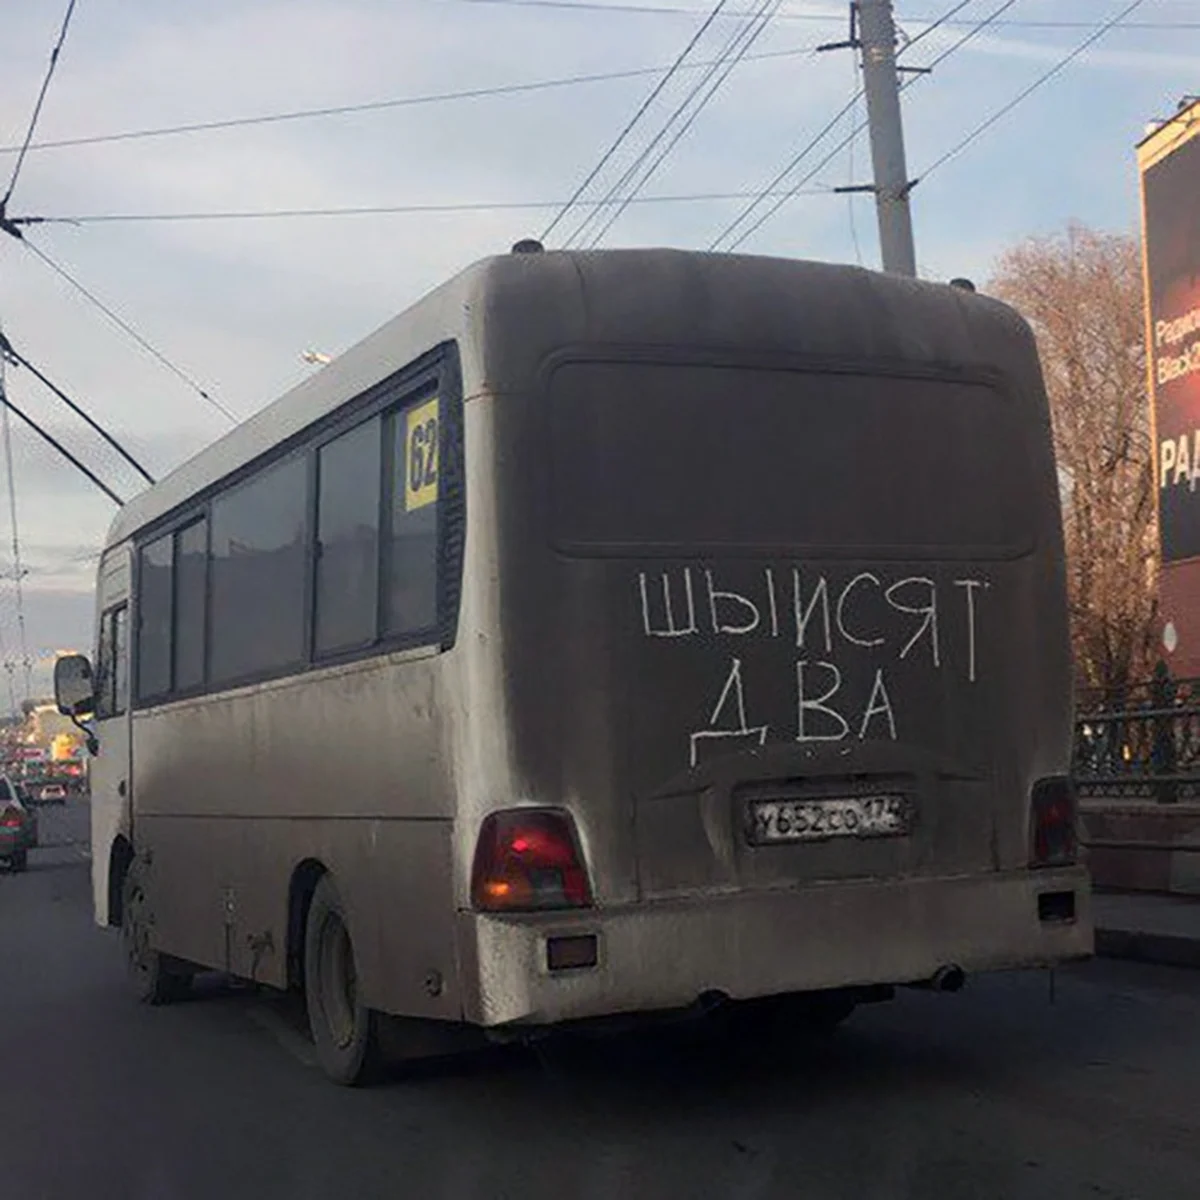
x,y
11,819
1052,823
526,859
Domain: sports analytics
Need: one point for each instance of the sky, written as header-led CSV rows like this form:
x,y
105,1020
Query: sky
x,y
233,304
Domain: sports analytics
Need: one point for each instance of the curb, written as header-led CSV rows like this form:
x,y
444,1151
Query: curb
x,y
1162,948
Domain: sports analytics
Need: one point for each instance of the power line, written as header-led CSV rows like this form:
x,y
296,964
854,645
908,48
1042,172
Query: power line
x,y
945,19
6,348
993,18
384,210
637,116
124,325
7,401
6,352
18,567
588,6
533,86
596,215
732,53
37,108
977,28
301,114
787,195
850,172
770,189
18,570
1045,77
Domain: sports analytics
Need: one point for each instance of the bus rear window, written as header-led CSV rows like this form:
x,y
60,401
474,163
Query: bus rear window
x,y
667,456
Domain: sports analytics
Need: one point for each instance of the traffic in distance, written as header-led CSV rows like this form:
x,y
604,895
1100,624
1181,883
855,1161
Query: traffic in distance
x,y
18,825
609,635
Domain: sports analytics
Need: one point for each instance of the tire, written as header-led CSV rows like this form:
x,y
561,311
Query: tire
x,y
344,1031
156,977
19,862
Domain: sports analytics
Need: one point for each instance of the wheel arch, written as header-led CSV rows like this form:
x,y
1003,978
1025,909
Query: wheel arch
x,y
305,878
120,857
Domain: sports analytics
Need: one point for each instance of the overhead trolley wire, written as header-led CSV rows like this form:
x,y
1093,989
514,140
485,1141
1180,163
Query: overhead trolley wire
x,y
55,444
387,209
17,564
731,54
302,114
6,226
1045,77
747,213
18,570
593,6
37,108
771,188
934,25
637,116
7,349
125,327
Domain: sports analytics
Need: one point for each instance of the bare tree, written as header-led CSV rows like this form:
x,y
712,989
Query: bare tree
x,y
1081,291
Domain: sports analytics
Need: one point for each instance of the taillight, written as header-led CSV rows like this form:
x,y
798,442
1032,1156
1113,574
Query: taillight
x,y
1052,823
11,819
526,859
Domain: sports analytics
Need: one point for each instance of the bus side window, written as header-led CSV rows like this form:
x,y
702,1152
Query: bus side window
x,y
411,546
120,652
104,667
347,543
112,664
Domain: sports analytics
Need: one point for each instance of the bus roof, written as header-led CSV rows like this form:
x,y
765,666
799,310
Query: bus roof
x,y
508,312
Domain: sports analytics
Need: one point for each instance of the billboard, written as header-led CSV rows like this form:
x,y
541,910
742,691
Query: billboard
x,y
1169,164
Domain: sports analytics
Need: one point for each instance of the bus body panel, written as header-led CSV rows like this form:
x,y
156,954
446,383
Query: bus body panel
x,y
236,793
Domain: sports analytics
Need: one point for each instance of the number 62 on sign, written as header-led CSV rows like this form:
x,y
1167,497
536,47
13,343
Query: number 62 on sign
x,y
421,455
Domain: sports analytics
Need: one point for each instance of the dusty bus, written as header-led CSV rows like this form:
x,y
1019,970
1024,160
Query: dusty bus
x,y
610,633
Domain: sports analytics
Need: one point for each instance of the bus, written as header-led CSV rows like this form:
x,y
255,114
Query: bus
x,y
609,635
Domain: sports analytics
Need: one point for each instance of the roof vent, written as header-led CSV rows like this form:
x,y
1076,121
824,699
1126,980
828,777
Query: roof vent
x,y
528,246
965,284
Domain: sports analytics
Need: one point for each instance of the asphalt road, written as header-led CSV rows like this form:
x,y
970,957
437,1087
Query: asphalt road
x,y
995,1092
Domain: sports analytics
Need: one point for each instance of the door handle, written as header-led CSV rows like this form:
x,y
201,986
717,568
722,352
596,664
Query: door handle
x,y
121,788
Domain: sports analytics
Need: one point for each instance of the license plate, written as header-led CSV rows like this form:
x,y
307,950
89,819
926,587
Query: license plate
x,y
828,817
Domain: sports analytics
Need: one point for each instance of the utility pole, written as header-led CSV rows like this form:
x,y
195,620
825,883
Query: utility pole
x,y
881,83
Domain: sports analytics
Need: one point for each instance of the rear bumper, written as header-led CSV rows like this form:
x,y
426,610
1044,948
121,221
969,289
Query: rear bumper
x,y
664,955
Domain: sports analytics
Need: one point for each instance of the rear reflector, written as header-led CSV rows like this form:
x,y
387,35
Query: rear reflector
x,y
1052,823
571,953
528,859
1056,906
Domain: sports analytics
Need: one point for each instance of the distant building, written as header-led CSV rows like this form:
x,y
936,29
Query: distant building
x,y
46,723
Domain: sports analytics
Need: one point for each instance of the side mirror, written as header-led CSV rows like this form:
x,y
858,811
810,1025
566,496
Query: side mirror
x,y
74,691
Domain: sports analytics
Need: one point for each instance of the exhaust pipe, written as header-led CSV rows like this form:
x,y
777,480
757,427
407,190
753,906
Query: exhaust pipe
x,y
948,979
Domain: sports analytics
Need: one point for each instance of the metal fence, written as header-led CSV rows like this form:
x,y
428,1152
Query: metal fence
x,y
1140,742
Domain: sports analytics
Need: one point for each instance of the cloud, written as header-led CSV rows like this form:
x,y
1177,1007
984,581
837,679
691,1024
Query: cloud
x,y
234,304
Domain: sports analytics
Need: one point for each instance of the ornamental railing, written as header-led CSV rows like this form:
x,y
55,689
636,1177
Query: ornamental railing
x,y
1140,742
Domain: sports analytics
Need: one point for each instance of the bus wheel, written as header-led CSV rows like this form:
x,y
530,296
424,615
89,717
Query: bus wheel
x,y
345,1032
156,978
